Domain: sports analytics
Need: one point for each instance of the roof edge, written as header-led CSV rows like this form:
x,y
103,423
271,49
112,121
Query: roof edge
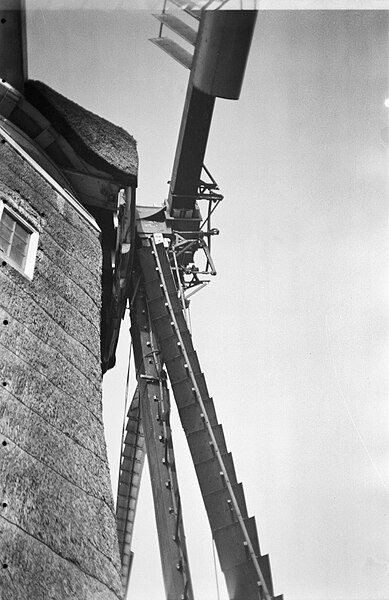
x,y
37,93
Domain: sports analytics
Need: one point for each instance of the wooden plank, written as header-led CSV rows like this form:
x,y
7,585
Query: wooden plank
x,y
174,50
189,7
182,29
155,409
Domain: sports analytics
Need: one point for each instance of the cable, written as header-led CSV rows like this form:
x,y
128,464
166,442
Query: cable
x,y
126,393
215,567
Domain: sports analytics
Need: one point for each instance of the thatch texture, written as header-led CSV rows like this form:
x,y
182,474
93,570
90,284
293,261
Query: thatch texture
x,y
102,144
57,525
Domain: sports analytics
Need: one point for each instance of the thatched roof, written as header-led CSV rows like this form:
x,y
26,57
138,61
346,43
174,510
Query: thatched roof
x,y
102,144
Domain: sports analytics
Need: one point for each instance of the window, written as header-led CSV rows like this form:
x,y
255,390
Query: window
x,y
18,241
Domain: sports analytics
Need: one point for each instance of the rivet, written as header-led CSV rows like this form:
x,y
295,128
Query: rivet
x,y
4,383
3,20
4,443
5,505
3,264
5,566
5,322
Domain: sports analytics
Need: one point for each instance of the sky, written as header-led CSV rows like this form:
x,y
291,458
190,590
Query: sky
x,y
292,334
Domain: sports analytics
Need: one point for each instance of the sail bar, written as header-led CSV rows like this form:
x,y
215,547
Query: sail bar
x,y
177,26
13,45
219,62
131,466
174,50
192,8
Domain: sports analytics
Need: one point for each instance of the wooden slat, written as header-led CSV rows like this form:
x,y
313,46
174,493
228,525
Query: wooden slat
x,y
189,7
174,50
182,29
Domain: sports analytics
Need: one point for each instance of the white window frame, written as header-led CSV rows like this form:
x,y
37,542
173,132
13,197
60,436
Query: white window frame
x,y
28,269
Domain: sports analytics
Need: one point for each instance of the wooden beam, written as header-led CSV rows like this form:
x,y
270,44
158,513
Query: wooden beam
x,y
92,190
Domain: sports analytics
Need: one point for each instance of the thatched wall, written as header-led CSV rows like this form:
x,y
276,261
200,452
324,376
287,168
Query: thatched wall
x,y
57,526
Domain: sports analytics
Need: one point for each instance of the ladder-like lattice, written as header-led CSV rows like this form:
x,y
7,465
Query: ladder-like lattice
x,y
247,572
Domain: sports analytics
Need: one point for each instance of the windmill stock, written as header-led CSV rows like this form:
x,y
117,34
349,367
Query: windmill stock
x,y
59,528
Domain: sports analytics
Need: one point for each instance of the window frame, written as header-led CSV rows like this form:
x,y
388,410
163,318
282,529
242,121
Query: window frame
x,y
28,269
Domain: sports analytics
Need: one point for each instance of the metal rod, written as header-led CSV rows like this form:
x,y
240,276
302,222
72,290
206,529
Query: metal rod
x,y
200,287
210,213
163,12
182,294
209,175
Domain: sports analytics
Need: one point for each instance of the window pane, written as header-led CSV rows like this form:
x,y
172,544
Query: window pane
x,y
8,220
4,244
17,257
5,231
20,245
21,232
20,239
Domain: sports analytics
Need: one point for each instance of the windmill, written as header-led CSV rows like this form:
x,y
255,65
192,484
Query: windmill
x,y
71,203
165,245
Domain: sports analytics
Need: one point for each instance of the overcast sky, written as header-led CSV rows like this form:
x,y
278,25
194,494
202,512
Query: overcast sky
x,y
293,332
